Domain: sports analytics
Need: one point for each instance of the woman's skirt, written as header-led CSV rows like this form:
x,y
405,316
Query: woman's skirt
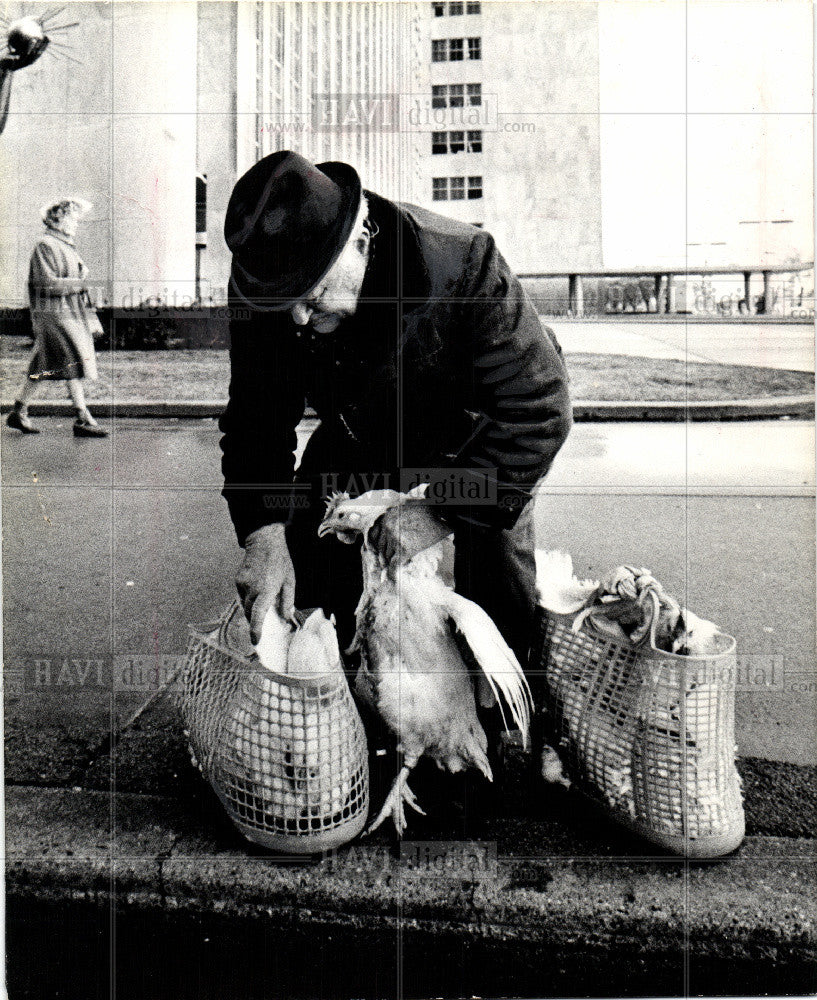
x,y
56,356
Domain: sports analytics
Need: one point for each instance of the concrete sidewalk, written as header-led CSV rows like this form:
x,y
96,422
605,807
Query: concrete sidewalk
x,y
763,345
584,411
201,915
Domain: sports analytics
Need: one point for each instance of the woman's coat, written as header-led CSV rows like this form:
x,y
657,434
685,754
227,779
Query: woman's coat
x,y
62,316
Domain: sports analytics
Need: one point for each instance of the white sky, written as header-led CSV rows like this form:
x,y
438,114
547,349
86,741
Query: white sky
x,y
706,121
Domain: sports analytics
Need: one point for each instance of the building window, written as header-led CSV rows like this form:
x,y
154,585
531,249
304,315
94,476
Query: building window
x,y
439,189
474,142
439,50
453,95
297,48
439,96
457,185
340,48
313,48
259,78
276,72
474,187
455,8
439,142
455,50
327,35
456,142
474,48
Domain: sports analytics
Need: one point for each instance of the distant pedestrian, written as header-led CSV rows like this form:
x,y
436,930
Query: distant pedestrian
x,y
63,318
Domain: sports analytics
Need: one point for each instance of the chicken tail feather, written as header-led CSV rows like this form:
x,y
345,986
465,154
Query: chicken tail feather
x,y
559,590
495,658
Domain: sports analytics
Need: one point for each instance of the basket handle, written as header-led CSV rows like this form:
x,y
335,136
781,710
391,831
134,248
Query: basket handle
x,y
227,621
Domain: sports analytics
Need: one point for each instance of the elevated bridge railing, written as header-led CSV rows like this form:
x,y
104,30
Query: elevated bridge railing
x,y
657,289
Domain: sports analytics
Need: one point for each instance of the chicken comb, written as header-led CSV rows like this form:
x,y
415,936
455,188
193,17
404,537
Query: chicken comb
x,y
333,501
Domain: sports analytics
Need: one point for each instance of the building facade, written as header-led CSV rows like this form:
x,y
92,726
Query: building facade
x,y
170,102
513,143
485,111
97,125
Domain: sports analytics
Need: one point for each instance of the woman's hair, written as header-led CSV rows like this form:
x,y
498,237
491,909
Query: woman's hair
x,y
54,212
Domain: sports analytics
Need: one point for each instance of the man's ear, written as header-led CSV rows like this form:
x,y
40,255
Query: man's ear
x,y
364,238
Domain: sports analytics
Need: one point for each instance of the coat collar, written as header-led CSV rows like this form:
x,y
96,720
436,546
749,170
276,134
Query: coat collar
x,y
59,235
396,272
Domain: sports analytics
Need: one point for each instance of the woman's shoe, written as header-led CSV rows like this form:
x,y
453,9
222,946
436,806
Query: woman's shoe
x,y
82,429
20,422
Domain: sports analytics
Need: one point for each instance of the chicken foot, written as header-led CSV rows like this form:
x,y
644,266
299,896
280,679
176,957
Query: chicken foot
x,y
399,794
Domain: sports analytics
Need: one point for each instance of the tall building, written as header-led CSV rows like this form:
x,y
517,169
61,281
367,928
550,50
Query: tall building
x,y
513,140
172,102
317,76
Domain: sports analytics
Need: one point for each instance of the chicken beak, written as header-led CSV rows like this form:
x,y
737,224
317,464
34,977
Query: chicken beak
x,y
342,534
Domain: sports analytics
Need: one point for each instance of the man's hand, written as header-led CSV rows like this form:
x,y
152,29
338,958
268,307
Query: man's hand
x,y
266,578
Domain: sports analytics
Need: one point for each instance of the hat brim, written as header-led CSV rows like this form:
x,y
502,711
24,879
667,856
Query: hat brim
x,y
279,297
83,206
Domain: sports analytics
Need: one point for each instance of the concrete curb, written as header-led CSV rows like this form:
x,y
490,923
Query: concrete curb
x,y
584,411
716,410
146,854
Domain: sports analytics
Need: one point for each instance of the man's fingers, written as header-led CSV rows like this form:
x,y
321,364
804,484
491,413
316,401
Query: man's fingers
x,y
287,599
260,607
246,599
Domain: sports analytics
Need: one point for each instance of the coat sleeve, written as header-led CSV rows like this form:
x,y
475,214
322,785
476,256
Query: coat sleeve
x,y
265,405
519,386
44,274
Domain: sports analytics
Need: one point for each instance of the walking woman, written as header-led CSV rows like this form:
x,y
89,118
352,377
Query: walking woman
x,y
63,318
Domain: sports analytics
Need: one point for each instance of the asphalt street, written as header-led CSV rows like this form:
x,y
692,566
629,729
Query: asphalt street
x,y
112,548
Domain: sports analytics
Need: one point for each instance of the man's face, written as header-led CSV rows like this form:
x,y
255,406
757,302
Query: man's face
x,y
335,296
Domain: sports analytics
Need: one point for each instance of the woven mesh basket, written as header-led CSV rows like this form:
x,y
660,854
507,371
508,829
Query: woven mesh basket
x,y
287,756
649,735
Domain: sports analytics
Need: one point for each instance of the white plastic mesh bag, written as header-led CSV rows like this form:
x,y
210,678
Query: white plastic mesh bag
x,y
650,735
287,756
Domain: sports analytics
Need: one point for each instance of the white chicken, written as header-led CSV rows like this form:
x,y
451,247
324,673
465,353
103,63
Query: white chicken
x,y
412,672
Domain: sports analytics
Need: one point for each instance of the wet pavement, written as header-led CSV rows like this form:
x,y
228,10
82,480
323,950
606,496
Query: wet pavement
x,y
111,548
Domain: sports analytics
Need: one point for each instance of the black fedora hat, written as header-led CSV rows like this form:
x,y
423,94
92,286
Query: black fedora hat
x,y
287,222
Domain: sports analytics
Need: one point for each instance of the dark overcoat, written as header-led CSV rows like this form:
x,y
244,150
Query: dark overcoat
x,y
445,364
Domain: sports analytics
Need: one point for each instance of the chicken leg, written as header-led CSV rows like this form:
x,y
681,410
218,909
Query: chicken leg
x,y
399,794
